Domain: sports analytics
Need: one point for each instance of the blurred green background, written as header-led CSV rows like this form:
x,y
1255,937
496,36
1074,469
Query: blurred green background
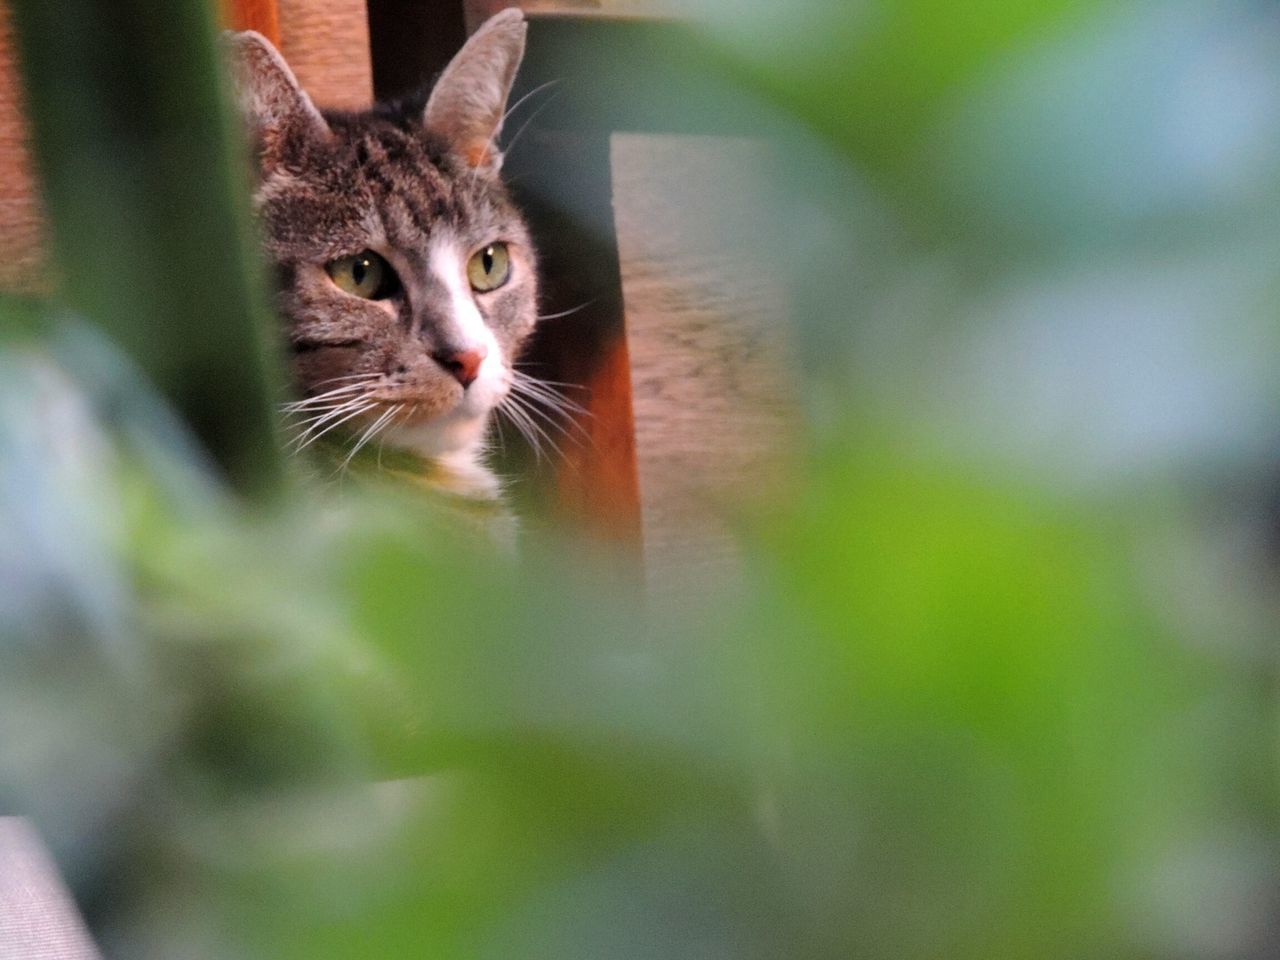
x,y
999,681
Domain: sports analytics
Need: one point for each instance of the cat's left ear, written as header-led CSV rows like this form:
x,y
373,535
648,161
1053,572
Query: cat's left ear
x,y
469,101
271,99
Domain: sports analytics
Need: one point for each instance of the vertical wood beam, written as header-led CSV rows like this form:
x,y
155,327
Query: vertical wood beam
x,y
325,41
23,263
717,412
260,15
327,44
560,174
562,182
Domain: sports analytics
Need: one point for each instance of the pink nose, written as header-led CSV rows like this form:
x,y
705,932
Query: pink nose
x,y
463,364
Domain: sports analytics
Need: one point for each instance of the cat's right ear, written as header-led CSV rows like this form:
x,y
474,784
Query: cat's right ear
x,y
271,100
469,101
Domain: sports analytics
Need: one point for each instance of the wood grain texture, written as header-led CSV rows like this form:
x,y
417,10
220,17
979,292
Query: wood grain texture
x,y
597,482
327,45
714,398
23,259
260,15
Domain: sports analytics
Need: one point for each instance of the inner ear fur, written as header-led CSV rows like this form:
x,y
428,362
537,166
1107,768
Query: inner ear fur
x,y
270,97
469,101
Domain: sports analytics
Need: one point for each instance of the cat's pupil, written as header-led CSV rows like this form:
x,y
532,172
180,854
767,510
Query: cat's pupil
x,y
487,260
358,270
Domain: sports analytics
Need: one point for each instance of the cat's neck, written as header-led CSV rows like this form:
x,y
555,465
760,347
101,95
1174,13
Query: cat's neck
x,y
463,474
451,450
470,489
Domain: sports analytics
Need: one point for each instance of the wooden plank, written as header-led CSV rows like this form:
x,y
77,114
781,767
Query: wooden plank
x,y
598,484
327,45
587,78
561,181
23,251
260,15
715,401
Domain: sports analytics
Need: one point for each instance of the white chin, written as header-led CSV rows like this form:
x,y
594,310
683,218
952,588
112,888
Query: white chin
x,y
458,431
461,429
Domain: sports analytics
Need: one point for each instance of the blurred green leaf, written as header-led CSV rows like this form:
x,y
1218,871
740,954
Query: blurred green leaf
x,y
141,175
998,680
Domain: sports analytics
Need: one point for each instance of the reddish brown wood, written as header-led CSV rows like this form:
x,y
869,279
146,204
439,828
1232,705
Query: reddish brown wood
x,y
327,45
260,15
598,483
23,263
562,182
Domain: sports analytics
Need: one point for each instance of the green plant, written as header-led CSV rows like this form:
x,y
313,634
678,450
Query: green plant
x,y
997,682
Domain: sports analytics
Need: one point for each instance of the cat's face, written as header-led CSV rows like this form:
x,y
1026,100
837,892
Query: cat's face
x,y
406,276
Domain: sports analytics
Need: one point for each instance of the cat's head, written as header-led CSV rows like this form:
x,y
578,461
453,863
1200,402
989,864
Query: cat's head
x,y
406,275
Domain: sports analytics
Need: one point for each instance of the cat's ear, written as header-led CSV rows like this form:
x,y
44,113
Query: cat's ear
x,y
272,101
469,101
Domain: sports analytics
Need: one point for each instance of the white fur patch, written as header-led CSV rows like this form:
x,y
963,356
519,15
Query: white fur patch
x,y
460,430
448,263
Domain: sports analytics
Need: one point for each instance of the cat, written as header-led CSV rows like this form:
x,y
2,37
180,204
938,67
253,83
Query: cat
x,y
407,278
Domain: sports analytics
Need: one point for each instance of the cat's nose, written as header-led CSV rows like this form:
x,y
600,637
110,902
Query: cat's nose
x,y
463,364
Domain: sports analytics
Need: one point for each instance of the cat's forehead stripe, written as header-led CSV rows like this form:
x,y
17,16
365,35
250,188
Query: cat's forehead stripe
x,y
402,176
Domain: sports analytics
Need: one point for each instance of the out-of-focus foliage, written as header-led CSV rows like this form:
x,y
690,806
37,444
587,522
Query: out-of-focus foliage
x,y
999,682
144,185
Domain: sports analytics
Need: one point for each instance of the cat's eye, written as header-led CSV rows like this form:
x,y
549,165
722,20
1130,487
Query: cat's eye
x,y
489,267
364,275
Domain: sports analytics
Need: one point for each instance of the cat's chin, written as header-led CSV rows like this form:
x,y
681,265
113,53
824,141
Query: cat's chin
x,y
460,432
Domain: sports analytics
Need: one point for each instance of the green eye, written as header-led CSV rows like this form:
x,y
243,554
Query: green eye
x,y
489,267
364,275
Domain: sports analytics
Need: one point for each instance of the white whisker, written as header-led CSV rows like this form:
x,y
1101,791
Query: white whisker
x,y
538,395
554,383
410,407
370,433
497,435
306,442
511,144
354,376
547,396
536,90
562,424
524,426
299,406
523,377
542,404
323,416
501,123
565,313
522,415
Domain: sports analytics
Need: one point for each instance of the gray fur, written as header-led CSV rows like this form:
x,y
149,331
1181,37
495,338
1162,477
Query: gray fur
x,y
269,94
402,181
469,102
